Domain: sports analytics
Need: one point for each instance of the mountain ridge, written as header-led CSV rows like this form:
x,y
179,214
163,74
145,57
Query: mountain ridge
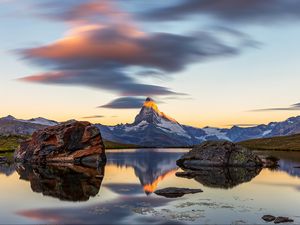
x,y
153,128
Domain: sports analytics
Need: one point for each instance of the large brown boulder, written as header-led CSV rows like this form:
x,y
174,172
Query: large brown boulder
x,y
71,141
219,154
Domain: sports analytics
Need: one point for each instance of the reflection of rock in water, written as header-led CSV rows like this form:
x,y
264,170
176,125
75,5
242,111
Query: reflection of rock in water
x,y
7,169
221,177
150,166
66,182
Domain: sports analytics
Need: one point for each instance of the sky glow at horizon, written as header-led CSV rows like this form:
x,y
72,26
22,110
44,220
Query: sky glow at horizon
x,y
206,64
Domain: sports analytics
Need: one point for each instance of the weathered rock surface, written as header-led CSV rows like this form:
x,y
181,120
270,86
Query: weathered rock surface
x,y
219,154
221,177
173,192
67,182
71,141
268,218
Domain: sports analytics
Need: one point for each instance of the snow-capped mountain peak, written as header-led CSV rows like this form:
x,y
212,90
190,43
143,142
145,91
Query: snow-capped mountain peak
x,y
151,114
9,117
43,121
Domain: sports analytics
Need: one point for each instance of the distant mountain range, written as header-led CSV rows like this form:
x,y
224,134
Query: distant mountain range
x,y
153,128
9,125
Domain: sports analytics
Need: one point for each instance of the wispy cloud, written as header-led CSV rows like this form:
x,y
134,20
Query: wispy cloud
x,y
93,117
289,108
237,11
104,49
125,103
242,125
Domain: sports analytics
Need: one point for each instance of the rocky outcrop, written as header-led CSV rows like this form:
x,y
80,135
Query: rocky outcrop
x,y
219,154
67,182
173,192
70,141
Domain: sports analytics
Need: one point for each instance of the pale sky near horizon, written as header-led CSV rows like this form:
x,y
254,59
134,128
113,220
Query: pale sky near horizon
x,y
207,63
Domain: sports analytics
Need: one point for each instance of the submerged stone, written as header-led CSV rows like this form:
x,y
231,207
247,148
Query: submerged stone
x,y
268,218
282,219
173,192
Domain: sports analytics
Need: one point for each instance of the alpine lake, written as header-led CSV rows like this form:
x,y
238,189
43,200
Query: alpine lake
x,y
122,191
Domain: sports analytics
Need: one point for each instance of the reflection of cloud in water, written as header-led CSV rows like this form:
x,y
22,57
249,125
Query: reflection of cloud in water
x,y
297,187
150,165
288,161
114,212
66,182
125,189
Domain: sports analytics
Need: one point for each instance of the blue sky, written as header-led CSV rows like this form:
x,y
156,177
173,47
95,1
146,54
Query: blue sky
x,y
209,64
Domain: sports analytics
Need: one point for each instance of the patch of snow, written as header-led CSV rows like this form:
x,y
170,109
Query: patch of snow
x,y
41,121
217,132
111,128
140,125
266,132
201,138
172,127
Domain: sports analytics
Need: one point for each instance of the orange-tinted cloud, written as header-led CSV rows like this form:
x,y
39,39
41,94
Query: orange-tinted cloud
x,y
104,49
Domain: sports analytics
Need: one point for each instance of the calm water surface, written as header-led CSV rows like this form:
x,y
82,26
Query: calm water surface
x,y
122,192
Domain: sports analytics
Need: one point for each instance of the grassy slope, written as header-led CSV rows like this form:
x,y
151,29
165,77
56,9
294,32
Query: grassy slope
x,y
10,143
290,143
115,145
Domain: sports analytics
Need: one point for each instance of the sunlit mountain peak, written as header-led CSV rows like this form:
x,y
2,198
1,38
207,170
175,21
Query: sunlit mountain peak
x,y
151,187
151,114
150,103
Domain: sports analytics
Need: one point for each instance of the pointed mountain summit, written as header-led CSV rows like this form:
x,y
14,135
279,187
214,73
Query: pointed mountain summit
x,y
151,114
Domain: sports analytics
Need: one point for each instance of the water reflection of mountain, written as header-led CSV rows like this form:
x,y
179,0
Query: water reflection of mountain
x,y
150,165
288,161
7,169
66,182
289,167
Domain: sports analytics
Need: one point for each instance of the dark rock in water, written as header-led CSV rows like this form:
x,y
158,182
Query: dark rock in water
x,y
173,192
65,181
219,154
270,162
71,141
221,177
268,218
281,219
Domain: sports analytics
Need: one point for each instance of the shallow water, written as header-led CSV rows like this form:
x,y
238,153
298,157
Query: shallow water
x,y
122,192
